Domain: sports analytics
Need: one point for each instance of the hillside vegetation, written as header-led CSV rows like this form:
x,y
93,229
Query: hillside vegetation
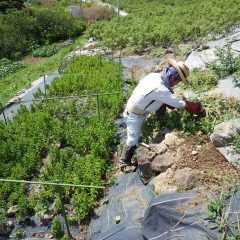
x,y
162,23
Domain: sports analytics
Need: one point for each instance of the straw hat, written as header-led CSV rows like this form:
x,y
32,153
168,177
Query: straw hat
x,y
181,68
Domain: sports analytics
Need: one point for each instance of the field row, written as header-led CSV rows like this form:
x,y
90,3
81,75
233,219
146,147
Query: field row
x,y
62,140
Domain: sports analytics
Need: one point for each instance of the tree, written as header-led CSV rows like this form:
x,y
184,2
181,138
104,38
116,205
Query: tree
x,y
6,5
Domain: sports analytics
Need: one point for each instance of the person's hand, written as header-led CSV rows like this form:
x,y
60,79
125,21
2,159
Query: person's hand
x,y
203,113
194,107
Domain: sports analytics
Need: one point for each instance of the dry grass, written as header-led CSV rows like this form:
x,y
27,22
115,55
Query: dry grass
x,y
96,12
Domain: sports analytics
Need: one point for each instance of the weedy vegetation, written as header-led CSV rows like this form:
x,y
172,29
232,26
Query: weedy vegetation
x,y
217,110
227,64
219,212
236,142
201,81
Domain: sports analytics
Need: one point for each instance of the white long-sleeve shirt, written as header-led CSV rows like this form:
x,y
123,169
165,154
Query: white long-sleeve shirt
x,y
151,93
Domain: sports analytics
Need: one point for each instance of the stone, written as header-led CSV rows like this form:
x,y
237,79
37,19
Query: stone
x,y
223,132
12,211
161,148
67,43
47,216
199,133
186,178
194,153
169,50
158,136
144,159
163,182
181,152
204,47
162,162
172,140
49,236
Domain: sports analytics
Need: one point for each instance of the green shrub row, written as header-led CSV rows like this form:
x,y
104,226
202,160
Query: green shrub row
x,y
23,31
162,23
61,140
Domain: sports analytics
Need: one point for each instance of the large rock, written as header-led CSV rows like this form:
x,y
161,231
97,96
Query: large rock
x,y
208,55
162,162
144,159
186,178
223,132
236,46
227,88
163,182
194,61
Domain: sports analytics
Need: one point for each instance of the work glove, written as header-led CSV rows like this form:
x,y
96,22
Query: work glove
x,y
194,107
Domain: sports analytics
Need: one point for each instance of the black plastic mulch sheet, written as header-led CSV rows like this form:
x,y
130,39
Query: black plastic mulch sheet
x,y
127,200
176,215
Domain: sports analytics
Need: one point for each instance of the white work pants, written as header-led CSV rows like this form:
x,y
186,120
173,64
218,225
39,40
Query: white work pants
x,y
134,124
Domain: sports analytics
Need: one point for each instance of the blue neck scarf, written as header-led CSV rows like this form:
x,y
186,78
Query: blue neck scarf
x,y
165,77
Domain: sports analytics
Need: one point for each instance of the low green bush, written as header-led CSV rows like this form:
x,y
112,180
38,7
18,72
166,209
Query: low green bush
x,y
57,228
53,26
17,34
20,234
7,67
47,50
227,63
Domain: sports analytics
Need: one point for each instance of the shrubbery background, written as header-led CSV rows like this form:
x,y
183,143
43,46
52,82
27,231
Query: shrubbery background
x,y
26,30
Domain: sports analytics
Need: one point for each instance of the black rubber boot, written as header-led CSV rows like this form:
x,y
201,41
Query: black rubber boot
x,y
144,179
127,155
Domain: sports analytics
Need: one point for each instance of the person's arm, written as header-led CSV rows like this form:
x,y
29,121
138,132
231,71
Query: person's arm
x,y
166,97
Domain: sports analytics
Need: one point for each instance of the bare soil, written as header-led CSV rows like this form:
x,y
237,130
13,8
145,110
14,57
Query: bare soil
x,y
32,60
214,167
